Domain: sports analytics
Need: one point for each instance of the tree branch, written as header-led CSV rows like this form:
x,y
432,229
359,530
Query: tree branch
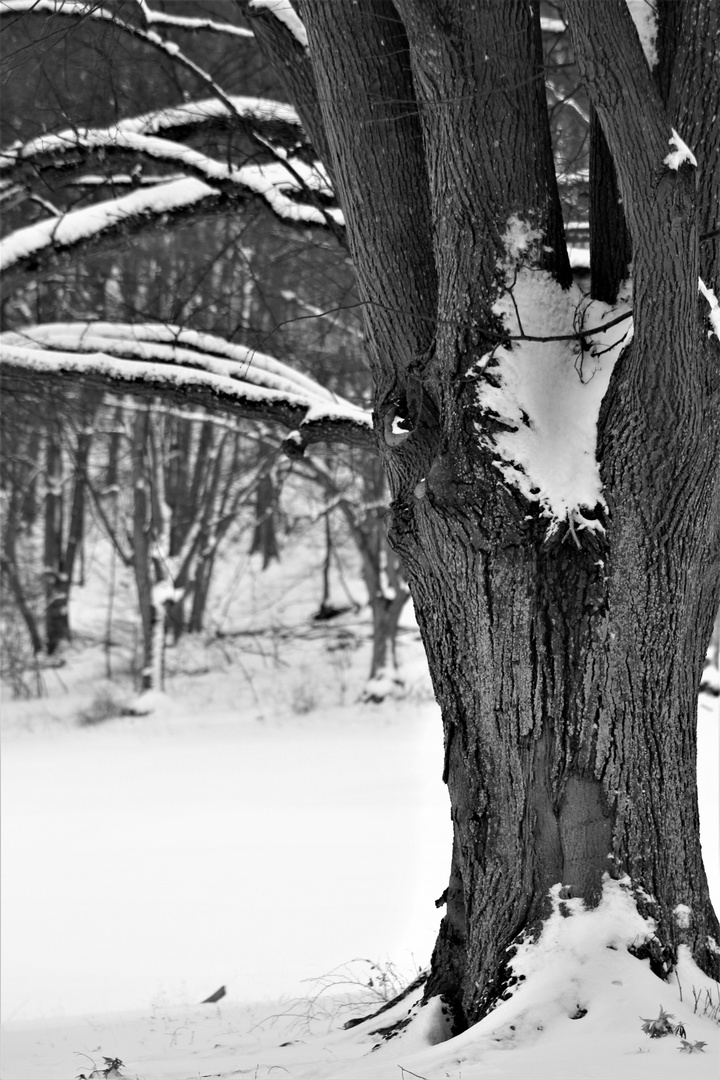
x,y
183,367
52,242
77,8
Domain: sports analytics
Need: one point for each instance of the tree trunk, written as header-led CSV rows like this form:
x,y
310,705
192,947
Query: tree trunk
x,y
264,539
569,750
57,626
384,671
566,664
142,547
200,592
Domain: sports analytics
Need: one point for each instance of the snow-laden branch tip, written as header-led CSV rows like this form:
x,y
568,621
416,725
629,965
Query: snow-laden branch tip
x,y
285,13
681,155
199,368
183,22
714,313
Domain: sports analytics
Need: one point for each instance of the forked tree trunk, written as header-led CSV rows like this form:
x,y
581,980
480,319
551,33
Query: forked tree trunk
x,y
566,666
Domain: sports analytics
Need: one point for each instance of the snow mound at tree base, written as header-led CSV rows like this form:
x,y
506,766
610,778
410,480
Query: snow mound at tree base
x,y
577,1015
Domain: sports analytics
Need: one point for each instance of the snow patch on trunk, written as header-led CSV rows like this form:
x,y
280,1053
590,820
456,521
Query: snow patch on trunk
x,y
283,10
681,155
714,314
547,393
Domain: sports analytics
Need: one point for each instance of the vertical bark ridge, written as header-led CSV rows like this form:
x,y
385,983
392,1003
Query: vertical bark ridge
x,y
478,76
696,79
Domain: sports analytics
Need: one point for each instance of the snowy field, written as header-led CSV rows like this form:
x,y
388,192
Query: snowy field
x,y
263,831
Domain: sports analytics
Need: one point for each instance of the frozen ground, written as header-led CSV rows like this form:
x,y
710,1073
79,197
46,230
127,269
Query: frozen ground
x,y
259,830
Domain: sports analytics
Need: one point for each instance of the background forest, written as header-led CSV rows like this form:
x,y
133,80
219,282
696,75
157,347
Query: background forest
x,y
168,485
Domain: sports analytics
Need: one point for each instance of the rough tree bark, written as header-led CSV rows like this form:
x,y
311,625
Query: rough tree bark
x,y
566,667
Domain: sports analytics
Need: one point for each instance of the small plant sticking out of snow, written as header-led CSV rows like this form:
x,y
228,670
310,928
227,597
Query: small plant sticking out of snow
x,y
691,1048
111,1070
361,987
706,1004
661,1026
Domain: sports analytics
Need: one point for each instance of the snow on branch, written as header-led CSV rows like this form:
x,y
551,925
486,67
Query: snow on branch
x,y
38,245
78,8
273,121
150,17
185,366
271,180
183,22
285,13
62,235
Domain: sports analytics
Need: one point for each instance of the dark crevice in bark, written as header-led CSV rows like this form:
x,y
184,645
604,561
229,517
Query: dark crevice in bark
x,y
610,248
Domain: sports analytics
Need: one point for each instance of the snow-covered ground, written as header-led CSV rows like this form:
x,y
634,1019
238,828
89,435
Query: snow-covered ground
x,y
263,831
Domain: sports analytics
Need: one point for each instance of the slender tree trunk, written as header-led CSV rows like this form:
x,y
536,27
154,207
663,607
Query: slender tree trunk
x,y
386,613
201,589
142,548
57,627
264,540
76,528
